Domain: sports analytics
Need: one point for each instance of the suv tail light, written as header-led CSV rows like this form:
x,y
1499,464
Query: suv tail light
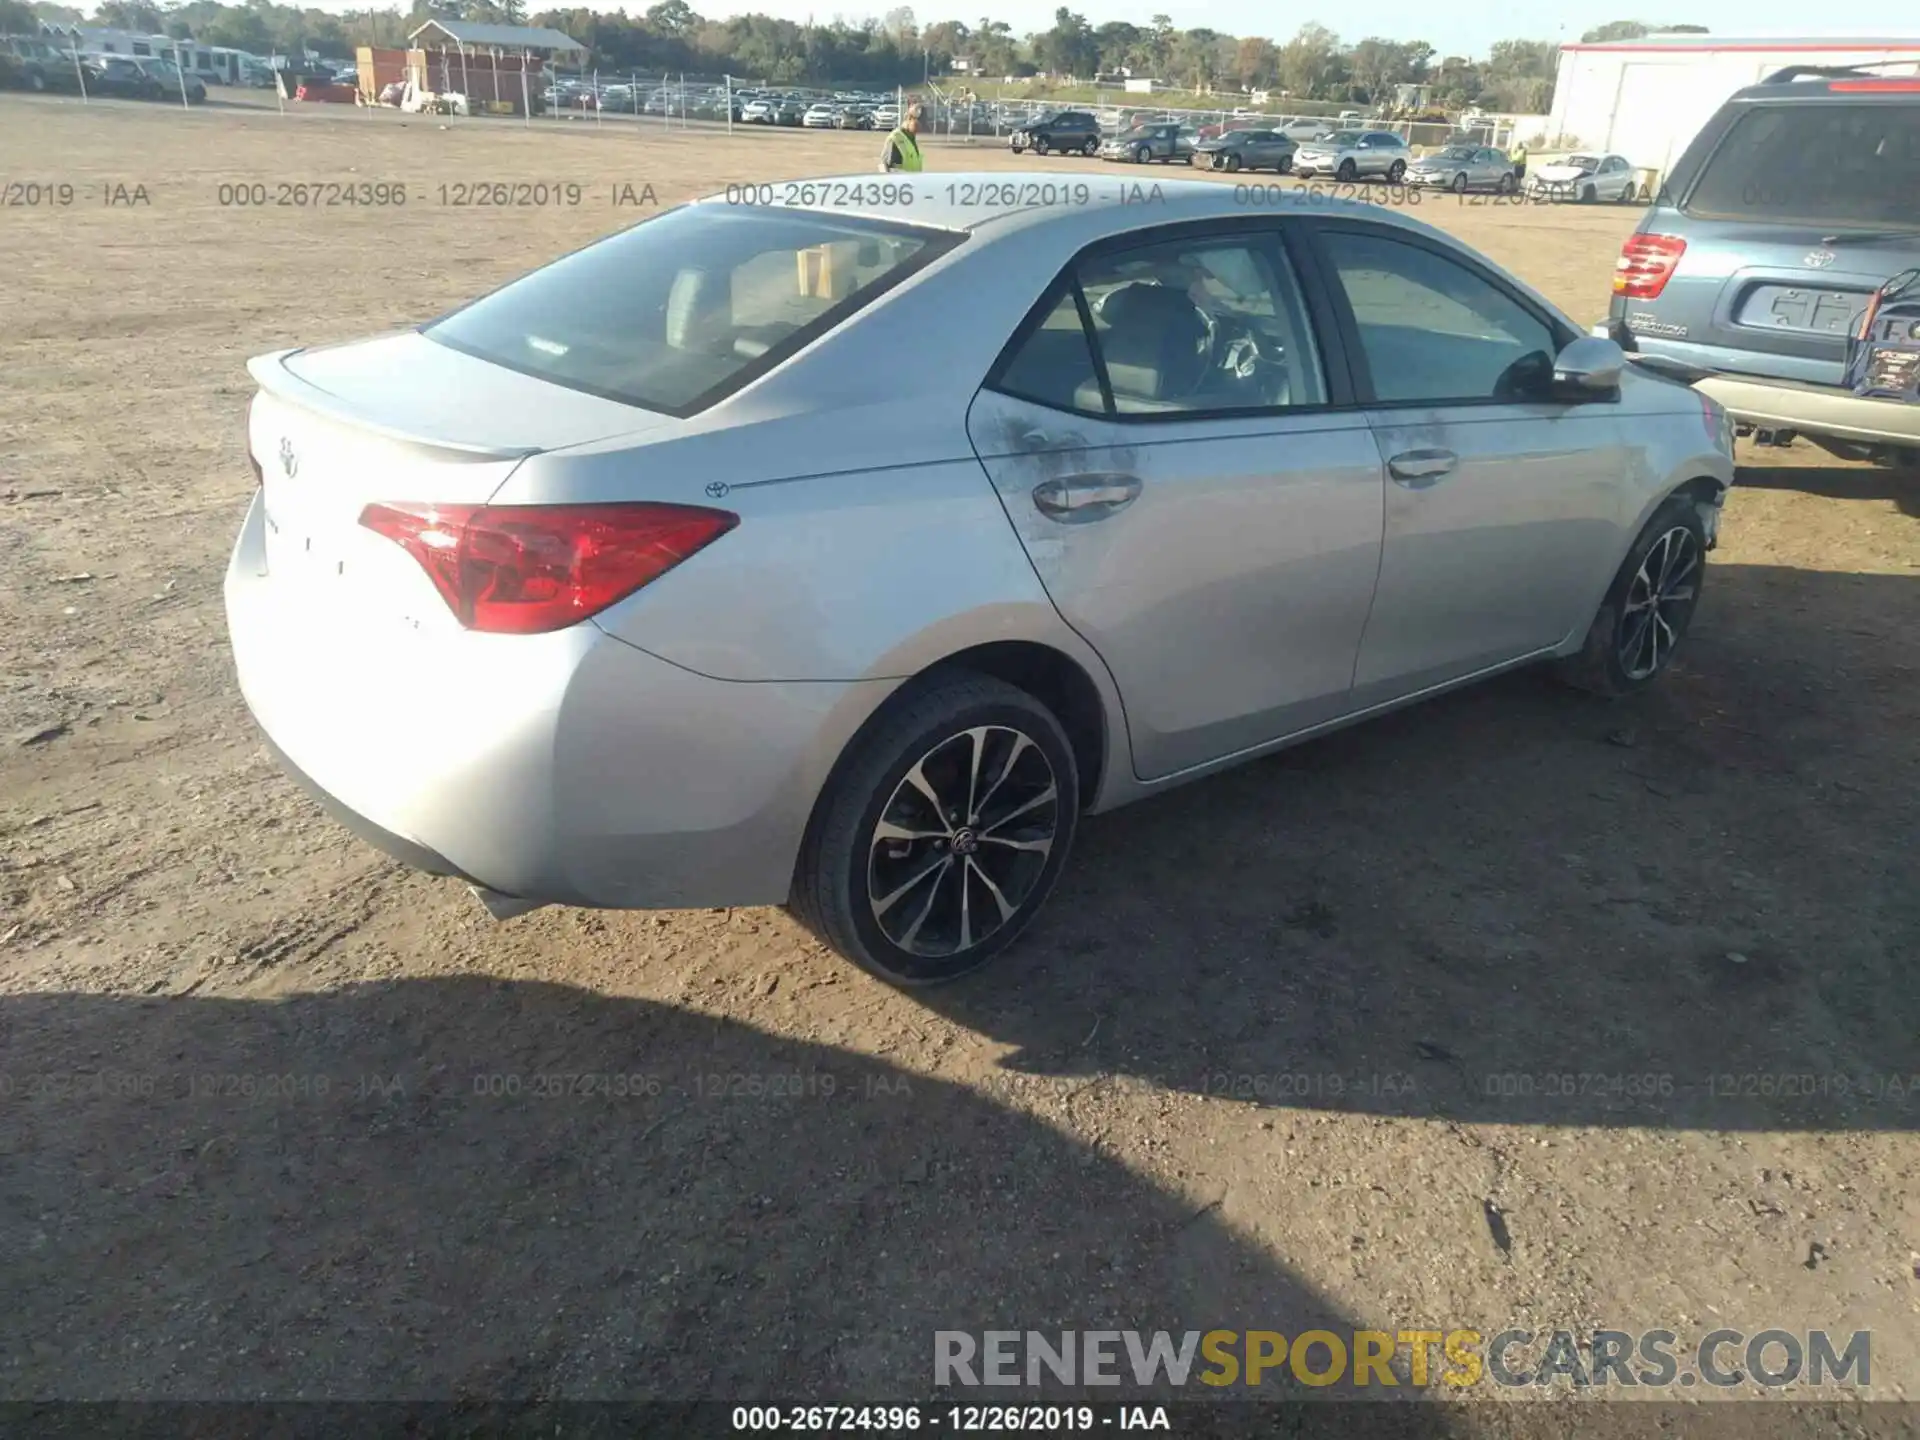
x,y
529,569
1645,265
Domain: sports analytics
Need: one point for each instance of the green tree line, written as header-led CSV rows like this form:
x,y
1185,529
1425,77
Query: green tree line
x,y
1313,64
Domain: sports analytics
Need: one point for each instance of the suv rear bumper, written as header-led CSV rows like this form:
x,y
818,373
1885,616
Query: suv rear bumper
x,y
1815,409
1774,404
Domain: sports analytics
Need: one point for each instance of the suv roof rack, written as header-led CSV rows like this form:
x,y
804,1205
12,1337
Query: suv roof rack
x,y
1828,72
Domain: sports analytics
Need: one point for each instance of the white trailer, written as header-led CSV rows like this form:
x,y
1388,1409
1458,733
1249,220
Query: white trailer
x,y
1646,99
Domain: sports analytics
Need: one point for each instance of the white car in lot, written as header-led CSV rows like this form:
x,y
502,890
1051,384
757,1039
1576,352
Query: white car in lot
x,y
821,117
1584,178
1305,128
623,586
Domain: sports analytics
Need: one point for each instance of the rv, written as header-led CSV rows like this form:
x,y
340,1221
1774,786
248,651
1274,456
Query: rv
x,y
212,63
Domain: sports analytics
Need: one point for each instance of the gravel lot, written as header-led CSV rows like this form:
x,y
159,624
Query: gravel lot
x,y
1289,1045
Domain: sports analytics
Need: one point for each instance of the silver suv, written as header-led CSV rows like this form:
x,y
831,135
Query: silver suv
x,y
1754,266
1355,155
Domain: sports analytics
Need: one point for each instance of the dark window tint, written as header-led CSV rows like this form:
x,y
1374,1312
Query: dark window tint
x,y
1433,330
1818,164
674,312
1054,365
1201,325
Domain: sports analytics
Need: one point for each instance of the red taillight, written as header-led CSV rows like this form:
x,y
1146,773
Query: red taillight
x,y
1645,265
528,569
1875,87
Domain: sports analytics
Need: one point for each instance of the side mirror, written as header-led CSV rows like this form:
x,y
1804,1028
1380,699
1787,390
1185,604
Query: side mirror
x,y
1589,366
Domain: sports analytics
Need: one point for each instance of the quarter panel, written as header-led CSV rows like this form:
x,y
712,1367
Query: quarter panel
x,y
847,577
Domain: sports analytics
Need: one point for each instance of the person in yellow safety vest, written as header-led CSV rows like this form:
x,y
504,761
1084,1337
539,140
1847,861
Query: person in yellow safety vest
x,y
1518,157
903,145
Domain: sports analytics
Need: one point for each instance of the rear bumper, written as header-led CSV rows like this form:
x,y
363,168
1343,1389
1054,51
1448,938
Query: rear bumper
x,y
569,768
1815,409
1772,403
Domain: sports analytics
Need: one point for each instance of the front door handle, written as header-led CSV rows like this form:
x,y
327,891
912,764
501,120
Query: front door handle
x,y
1076,499
1417,469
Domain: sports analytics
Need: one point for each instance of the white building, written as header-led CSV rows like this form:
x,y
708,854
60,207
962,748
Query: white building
x,y
1647,98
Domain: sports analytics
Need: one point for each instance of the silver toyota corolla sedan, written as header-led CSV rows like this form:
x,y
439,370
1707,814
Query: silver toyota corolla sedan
x,y
844,548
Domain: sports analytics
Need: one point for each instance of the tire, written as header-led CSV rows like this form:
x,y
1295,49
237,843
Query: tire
x,y
37,83
1346,173
844,859
1509,183
1142,154
1599,668
1091,148
1039,147
1459,186
1285,167
1587,194
1233,163
1017,149
1396,172
1628,194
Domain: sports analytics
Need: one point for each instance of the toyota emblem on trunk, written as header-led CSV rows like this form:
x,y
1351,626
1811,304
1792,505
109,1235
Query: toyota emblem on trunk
x,y
1818,259
289,462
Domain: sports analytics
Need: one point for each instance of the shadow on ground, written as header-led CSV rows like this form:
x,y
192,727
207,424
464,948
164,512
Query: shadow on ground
x,y
1692,908
390,1192
1838,482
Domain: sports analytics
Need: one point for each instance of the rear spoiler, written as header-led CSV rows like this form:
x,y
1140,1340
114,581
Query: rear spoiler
x,y
270,372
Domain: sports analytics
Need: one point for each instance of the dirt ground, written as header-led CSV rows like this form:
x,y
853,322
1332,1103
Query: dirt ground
x,y
1287,1045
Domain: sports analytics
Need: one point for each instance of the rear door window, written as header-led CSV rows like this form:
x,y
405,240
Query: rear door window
x,y
1822,163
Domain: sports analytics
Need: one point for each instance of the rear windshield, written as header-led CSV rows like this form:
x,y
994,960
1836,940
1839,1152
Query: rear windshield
x,y
683,309
1816,164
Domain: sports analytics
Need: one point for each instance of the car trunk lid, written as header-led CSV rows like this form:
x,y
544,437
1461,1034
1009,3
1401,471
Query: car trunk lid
x,y
395,420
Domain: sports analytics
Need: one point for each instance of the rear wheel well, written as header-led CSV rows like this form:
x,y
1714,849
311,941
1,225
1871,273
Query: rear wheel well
x,y
1056,682
1043,672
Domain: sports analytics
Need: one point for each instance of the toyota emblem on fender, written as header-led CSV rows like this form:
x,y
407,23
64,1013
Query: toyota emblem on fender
x,y
289,462
1818,259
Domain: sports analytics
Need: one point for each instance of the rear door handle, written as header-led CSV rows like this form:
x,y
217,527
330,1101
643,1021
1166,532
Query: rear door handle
x,y
1080,498
1417,469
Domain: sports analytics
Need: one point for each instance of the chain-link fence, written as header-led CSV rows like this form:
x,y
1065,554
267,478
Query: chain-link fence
x,y
951,113
662,98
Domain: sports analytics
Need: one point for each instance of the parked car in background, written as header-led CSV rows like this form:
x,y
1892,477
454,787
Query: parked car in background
x,y
1584,178
515,597
1163,142
1753,269
822,116
168,77
118,77
1461,168
1355,155
886,115
856,117
38,66
1063,131
1246,150
1306,128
